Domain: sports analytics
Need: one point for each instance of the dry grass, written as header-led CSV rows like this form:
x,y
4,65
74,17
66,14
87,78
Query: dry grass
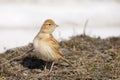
x,y
93,58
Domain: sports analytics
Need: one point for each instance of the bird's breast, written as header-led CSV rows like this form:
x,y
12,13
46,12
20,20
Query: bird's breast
x,y
45,50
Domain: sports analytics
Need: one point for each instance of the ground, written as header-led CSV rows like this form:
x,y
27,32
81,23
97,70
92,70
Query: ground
x,y
92,58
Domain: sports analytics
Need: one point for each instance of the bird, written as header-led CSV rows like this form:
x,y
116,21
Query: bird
x,y
47,46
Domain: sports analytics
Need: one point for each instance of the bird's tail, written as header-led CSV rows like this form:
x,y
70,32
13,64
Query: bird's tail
x,y
64,59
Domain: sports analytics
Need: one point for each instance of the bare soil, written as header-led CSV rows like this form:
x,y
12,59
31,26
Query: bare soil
x,y
93,59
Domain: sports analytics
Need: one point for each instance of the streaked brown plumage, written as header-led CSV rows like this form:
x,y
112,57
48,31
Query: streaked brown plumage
x,y
47,45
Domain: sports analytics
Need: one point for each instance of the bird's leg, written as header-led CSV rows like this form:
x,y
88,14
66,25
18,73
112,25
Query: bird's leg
x,y
51,68
45,68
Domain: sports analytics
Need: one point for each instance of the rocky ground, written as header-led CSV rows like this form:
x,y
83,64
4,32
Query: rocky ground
x,y
93,59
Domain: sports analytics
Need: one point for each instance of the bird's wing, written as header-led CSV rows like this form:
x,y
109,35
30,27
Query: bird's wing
x,y
55,47
54,44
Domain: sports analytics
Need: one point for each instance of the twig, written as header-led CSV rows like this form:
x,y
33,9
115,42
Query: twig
x,y
85,26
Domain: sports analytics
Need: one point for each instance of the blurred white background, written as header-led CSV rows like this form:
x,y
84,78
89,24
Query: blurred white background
x,y
20,20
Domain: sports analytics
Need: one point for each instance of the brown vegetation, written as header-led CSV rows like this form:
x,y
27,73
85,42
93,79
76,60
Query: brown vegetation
x,y
93,59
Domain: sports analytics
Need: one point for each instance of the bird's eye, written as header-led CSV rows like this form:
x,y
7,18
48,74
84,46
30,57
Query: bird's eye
x,y
49,24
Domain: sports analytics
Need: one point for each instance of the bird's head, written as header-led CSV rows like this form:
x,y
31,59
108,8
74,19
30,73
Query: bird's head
x,y
48,26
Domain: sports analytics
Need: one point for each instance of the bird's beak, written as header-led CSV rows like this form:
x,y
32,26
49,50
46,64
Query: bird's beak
x,y
56,25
